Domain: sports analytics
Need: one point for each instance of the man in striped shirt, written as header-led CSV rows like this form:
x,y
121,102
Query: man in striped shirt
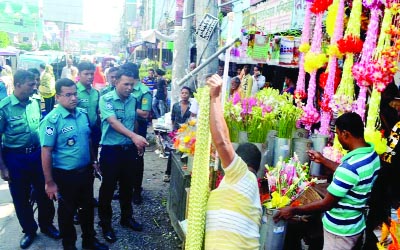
x,y
234,208
344,203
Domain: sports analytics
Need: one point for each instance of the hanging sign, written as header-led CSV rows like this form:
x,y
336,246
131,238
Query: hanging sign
x,y
206,27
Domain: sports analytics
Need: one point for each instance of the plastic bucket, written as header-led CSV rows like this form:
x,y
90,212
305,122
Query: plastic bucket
x,y
281,149
319,142
243,137
300,147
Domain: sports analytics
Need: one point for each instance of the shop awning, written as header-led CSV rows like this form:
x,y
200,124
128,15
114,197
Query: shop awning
x,y
151,36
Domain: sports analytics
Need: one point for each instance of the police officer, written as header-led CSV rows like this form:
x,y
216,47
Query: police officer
x,y
143,108
120,149
67,158
112,72
20,162
88,99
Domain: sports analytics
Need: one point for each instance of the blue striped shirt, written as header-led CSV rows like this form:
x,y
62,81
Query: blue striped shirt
x,y
352,183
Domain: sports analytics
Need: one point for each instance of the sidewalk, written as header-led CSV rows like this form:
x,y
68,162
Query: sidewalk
x,y
157,230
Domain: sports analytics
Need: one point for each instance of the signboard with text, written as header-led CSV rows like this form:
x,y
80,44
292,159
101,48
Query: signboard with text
x,y
206,27
270,16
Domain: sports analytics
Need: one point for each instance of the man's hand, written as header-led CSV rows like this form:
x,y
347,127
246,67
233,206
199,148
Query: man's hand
x,y
140,143
51,190
4,174
315,156
215,84
284,213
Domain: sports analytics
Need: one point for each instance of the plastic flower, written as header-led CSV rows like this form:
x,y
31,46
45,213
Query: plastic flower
x,y
185,137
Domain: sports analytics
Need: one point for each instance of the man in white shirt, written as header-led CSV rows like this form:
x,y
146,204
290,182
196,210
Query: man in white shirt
x,y
67,71
258,80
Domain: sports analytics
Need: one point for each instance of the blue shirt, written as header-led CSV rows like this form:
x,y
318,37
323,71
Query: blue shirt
x,y
125,111
69,135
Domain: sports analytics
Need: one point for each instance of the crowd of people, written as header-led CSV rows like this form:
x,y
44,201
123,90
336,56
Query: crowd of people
x,y
53,154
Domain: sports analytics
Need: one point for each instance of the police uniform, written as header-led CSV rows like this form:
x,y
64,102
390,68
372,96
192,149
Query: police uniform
x,y
21,154
118,156
144,99
89,101
107,89
69,136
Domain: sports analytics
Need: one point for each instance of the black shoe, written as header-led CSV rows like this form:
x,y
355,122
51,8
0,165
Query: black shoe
x,y
51,231
76,219
93,244
109,235
132,224
27,240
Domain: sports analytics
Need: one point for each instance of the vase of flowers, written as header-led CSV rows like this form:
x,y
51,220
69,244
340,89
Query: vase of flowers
x,y
286,181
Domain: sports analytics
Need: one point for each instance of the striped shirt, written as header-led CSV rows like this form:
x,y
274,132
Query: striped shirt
x,y
352,183
234,210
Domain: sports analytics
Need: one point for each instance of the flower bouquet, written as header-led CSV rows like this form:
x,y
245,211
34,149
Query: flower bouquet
x,y
185,138
287,181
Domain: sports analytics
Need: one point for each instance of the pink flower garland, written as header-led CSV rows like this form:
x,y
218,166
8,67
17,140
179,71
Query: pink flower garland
x,y
329,89
305,38
360,70
309,116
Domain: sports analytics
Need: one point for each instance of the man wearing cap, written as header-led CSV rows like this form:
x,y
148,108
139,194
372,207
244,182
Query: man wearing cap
x,y
120,150
20,162
68,162
161,95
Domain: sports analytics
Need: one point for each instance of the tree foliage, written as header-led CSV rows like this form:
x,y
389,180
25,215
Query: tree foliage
x,y
4,39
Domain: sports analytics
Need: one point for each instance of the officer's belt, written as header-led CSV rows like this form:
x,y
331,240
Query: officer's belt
x,y
125,147
21,150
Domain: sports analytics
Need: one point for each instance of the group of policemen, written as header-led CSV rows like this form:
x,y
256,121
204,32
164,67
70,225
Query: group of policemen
x,y
55,158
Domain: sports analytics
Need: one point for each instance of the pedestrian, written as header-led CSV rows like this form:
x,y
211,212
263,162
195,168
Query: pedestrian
x,y
46,88
236,88
143,108
258,80
69,70
160,98
20,162
120,150
247,81
346,199
68,163
233,209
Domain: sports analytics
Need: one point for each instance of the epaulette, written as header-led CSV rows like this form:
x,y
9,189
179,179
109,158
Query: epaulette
x,y
81,110
144,89
53,117
5,102
108,96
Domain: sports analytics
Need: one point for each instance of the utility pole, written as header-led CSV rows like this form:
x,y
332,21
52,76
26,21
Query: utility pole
x,y
181,49
206,48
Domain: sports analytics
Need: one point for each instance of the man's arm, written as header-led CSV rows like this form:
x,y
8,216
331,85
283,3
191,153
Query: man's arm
x,y
317,157
3,168
47,162
318,206
218,127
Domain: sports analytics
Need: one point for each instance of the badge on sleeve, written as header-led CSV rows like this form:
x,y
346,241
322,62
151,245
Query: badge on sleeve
x,y
144,101
49,130
70,141
109,105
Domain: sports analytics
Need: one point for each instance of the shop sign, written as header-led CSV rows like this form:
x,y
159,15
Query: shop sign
x,y
206,27
270,16
299,12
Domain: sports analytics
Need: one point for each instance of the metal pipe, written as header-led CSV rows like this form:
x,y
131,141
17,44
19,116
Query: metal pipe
x,y
185,17
212,57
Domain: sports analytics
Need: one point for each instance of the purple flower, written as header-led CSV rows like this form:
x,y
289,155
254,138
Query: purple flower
x,y
236,98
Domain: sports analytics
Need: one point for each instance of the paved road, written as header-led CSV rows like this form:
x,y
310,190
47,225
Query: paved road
x,y
157,234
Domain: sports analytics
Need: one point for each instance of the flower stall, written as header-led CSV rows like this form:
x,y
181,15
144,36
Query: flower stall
x,y
346,74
